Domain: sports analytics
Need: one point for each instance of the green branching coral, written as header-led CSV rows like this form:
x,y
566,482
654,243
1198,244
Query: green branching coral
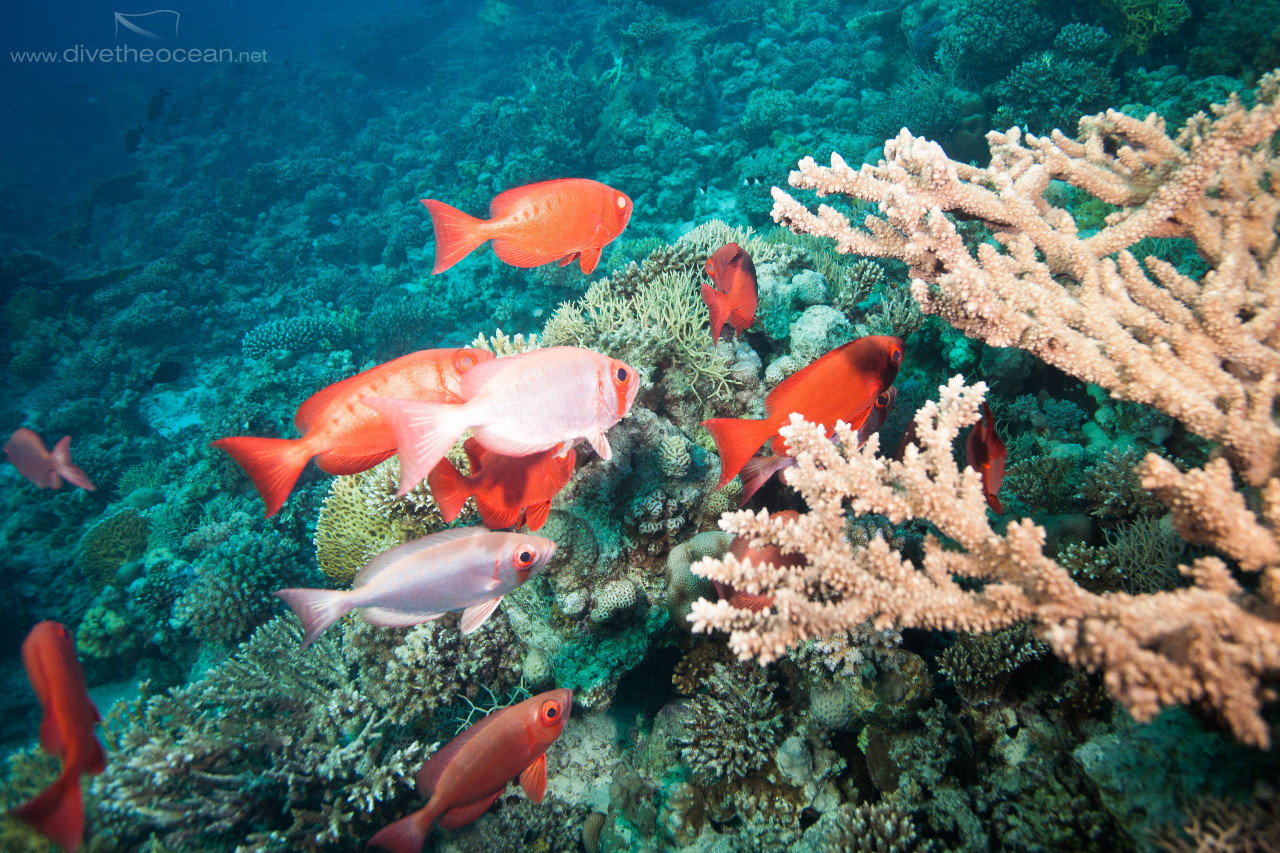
x,y
281,749
734,727
979,665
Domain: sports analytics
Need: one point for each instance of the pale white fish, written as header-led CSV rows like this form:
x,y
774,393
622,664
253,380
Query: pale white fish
x,y
465,568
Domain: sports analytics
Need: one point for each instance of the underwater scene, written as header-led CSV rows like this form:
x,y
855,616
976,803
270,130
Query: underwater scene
x,y
741,425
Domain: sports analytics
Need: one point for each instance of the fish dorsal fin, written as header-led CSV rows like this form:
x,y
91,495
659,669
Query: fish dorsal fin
x,y
535,516
387,559
386,617
462,816
311,407
473,617
773,401
534,779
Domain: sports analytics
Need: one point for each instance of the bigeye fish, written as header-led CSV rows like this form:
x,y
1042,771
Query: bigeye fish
x,y
66,731
515,406
344,436
463,778
466,568
562,220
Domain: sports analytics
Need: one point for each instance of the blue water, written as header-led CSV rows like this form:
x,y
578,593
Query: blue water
x,y
189,250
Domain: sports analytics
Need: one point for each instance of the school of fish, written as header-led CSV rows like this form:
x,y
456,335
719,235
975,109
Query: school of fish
x,y
525,414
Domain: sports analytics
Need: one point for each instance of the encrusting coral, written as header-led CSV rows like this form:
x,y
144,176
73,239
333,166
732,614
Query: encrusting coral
x,y
1202,351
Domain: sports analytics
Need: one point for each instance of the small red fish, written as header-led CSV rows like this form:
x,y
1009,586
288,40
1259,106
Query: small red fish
x,y
561,220
345,436
841,386
732,298
518,405
464,778
741,548
759,469
47,469
66,731
985,452
505,487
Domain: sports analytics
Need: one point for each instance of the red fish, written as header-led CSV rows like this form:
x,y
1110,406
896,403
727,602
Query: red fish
x,y
561,220
346,436
505,487
66,731
985,452
464,778
733,297
741,548
758,469
841,386
518,405
38,464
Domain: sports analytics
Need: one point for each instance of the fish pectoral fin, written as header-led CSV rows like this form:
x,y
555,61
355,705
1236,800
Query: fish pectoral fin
x,y
534,779
601,445
535,516
386,617
567,259
473,617
588,259
463,815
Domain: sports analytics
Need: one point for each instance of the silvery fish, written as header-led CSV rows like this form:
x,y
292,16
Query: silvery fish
x,y
466,568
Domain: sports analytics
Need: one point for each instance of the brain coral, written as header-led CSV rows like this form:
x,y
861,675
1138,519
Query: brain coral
x,y
112,542
361,517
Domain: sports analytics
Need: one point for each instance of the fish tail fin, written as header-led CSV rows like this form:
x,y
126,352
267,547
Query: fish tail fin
x,y
719,310
406,835
317,608
274,464
448,489
67,469
737,439
57,812
424,433
457,233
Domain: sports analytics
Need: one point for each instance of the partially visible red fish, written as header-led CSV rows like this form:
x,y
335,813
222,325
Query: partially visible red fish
x,y
841,386
518,405
66,731
345,436
741,548
561,220
985,452
732,298
759,469
47,469
505,487
464,778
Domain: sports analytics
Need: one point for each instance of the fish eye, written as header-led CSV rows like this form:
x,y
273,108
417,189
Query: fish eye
x,y
525,555
883,399
466,361
621,374
622,202
896,358
550,711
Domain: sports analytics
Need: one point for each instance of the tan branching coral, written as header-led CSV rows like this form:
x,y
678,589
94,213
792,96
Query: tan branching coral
x,y
1205,352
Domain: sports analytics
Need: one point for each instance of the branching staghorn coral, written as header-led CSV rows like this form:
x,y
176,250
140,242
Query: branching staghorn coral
x,y
1212,644
1205,352
281,749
